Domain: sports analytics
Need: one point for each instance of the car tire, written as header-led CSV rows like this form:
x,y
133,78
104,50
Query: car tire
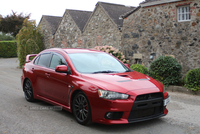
x,y
81,109
28,91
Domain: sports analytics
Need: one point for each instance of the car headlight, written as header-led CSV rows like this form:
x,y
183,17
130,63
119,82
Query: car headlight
x,y
112,95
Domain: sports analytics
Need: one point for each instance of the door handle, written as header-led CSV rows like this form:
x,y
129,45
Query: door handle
x,y
47,74
32,69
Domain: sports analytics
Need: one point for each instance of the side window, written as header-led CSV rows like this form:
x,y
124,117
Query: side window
x,y
36,60
44,59
57,60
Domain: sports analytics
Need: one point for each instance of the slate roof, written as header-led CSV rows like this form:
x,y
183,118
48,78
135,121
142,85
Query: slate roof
x,y
115,11
132,11
53,22
80,17
146,1
125,15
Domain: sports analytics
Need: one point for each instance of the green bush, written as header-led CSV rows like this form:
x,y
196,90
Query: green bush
x,y
166,70
192,80
139,68
8,49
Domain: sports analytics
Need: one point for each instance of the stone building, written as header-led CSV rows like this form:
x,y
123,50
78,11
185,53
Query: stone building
x,y
69,32
163,27
104,26
49,25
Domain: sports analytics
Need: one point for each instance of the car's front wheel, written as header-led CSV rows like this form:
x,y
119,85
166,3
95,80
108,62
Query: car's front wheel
x,y
28,91
81,109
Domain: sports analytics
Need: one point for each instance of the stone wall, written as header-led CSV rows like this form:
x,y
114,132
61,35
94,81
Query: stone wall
x,y
101,30
154,31
68,35
47,34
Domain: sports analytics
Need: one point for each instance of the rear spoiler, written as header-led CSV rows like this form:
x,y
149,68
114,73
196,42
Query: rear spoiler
x,y
29,56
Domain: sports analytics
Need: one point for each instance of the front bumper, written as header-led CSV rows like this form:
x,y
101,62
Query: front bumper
x,y
143,107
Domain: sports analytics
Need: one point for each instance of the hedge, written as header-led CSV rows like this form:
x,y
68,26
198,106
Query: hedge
x,y
139,68
8,49
192,80
166,70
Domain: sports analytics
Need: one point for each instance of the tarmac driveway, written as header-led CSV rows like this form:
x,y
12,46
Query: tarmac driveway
x,y
18,117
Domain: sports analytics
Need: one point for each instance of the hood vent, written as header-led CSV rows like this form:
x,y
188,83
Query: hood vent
x,y
125,75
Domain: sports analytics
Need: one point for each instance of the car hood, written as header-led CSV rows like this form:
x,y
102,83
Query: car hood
x,y
129,82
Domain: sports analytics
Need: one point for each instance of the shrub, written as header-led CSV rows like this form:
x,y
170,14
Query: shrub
x,y
192,80
166,70
8,49
139,68
29,41
112,51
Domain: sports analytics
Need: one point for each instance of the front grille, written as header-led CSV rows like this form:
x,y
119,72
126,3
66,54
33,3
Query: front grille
x,y
148,96
147,106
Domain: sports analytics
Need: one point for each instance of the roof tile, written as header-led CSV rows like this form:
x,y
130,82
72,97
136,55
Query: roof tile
x,y
115,11
80,17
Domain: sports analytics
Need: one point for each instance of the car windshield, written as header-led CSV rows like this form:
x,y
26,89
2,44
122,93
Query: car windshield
x,y
96,63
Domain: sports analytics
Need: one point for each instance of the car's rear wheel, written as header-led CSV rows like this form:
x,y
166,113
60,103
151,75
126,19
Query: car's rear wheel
x,y
28,91
81,109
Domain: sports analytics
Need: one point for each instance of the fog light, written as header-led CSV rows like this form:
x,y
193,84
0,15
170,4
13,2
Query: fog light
x,y
109,115
113,115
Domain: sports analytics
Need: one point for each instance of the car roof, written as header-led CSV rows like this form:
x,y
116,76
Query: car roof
x,y
73,50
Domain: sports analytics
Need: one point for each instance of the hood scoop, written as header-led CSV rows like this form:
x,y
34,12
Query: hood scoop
x,y
124,75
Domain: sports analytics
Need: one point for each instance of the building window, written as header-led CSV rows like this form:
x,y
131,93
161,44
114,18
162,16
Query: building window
x,y
184,13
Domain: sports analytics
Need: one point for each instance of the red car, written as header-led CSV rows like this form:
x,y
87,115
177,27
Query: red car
x,y
94,86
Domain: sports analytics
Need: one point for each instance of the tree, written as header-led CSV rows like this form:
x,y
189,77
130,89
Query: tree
x,y
29,40
12,23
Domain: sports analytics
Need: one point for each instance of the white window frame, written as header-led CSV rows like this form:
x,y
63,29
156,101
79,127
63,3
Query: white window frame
x,y
183,13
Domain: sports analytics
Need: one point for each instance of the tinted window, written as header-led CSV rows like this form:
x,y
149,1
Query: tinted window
x,y
57,60
44,60
36,60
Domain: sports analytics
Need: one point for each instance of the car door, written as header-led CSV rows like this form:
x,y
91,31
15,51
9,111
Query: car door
x,y
59,84
39,69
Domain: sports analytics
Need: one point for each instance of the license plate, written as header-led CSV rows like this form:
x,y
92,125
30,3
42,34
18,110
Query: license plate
x,y
166,101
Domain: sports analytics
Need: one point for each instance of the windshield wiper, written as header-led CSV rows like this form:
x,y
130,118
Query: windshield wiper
x,y
108,71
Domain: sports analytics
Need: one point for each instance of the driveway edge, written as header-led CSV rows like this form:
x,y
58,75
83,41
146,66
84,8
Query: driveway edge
x,y
181,89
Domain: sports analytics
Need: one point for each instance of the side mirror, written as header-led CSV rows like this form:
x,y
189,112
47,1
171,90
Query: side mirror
x,y
61,69
127,65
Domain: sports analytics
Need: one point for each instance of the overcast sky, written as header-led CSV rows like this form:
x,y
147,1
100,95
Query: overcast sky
x,y
37,8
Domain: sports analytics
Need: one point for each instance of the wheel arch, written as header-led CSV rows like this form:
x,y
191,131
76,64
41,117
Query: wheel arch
x,y
77,91
73,95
